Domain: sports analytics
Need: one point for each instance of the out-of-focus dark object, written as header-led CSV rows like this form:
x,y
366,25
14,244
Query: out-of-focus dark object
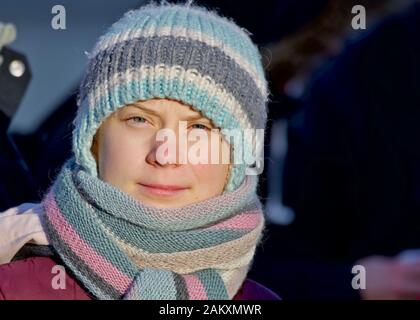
x,y
16,183
46,149
298,55
15,73
290,64
352,173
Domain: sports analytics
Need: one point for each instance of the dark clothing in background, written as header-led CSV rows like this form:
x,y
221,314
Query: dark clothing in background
x,y
352,173
29,168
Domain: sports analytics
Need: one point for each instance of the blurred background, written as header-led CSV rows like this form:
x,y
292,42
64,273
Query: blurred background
x,y
341,184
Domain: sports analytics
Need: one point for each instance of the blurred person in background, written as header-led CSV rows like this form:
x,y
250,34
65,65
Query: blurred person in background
x,y
351,175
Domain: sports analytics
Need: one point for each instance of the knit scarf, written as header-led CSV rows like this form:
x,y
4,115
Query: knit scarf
x,y
120,248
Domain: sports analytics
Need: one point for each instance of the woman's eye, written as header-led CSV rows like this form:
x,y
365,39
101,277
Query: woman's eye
x,y
200,126
137,120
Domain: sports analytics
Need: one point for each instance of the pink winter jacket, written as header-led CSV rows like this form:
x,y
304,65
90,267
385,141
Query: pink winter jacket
x,y
31,278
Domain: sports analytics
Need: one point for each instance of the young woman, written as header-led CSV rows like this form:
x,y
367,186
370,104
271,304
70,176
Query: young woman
x,y
133,214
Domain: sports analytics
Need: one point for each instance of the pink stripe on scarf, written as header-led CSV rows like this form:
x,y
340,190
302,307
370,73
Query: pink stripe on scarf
x,y
248,220
80,248
196,290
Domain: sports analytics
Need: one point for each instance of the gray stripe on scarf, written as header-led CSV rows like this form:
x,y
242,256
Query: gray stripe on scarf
x,y
181,287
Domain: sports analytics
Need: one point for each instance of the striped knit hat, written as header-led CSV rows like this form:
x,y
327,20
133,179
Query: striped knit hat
x,y
179,52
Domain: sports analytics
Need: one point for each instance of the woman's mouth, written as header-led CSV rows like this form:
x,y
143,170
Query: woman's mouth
x,y
162,190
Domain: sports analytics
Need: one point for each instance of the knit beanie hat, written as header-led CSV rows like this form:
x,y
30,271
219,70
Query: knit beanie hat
x,y
180,52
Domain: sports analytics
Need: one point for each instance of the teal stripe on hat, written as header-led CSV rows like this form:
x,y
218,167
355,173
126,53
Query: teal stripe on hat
x,y
145,89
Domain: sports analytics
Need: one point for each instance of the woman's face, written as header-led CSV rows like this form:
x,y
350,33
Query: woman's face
x,y
130,157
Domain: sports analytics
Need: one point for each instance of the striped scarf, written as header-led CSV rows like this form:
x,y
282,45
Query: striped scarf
x,y
119,248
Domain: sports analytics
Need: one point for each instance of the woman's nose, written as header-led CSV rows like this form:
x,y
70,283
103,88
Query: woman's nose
x,y
167,149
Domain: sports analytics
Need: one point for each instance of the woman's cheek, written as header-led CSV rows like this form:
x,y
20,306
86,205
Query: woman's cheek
x,y
121,153
215,173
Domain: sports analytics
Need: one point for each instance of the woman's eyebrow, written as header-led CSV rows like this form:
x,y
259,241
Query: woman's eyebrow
x,y
189,118
197,117
143,108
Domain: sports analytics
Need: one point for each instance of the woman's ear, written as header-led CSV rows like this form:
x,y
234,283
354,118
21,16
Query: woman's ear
x,y
94,148
228,175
